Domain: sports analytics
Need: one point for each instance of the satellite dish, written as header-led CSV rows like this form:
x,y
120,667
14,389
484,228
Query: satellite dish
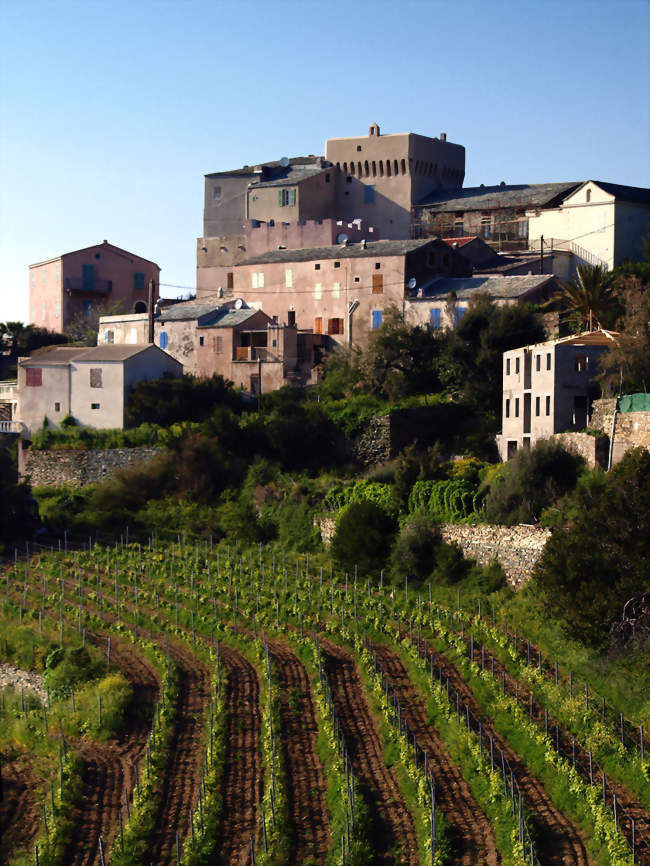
x,y
412,283
284,162
239,304
342,238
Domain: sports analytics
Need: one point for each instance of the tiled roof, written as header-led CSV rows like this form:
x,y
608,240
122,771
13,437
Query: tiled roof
x,y
274,164
293,176
497,287
230,318
53,355
66,354
104,245
459,242
338,251
187,310
509,195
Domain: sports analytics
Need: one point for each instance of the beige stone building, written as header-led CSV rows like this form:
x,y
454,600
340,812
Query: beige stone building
x,y
92,385
549,388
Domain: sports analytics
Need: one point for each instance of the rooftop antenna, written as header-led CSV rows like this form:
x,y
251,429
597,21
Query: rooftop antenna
x,y
284,161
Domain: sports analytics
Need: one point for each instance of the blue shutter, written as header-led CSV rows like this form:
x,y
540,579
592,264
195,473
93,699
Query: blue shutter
x,y
377,317
434,318
164,340
459,313
138,280
368,194
87,277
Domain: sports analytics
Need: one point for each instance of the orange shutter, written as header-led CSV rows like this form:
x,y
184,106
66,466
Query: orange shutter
x,y
377,284
318,325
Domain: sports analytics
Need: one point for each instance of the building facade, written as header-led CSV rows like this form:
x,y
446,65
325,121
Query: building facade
x,y
77,283
92,385
549,388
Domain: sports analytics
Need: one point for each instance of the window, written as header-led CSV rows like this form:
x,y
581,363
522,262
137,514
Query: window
x,y
580,362
368,194
318,325
459,312
377,265
94,405
486,226
43,276
358,148
516,365
335,326
317,266
434,318
216,193
138,280
337,264
588,196
57,407
537,402
374,168
257,280
109,336
357,279
57,273
86,309
403,166
548,360
516,407
217,345
291,318
377,317
538,363
57,309
288,278
34,377
431,260
87,277
377,284
318,291
507,408
336,290
507,366
522,229
548,405
164,339
230,280
96,377
286,197
201,341
44,309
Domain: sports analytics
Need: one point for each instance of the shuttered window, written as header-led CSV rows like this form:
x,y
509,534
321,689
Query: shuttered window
x,y
377,284
318,325
34,377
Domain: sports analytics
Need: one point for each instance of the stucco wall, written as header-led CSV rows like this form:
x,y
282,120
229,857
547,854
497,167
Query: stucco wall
x,y
79,468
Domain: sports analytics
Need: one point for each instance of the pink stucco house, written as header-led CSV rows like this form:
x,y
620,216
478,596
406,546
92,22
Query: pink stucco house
x,y
76,283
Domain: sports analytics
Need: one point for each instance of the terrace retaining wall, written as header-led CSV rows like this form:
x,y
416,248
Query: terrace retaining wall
x,y
77,468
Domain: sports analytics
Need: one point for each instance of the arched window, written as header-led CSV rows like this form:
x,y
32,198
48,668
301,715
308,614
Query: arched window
x,y
367,168
396,165
387,167
351,168
345,168
360,172
374,168
588,195
338,165
403,166
140,307
417,166
381,168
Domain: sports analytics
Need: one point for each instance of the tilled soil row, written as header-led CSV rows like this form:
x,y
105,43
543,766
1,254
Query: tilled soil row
x,y
20,814
473,841
242,777
307,787
559,842
392,832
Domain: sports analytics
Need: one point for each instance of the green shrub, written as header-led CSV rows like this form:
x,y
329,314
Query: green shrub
x,y
67,668
363,537
414,551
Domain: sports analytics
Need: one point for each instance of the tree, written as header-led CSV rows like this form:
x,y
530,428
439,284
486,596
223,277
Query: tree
x,y
626,365
363,537
599,557
591,297
84,328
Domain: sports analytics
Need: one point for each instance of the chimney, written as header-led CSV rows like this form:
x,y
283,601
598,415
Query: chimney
x,y
443,136
363,244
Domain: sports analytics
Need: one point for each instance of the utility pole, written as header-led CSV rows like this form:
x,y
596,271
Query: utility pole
x,y
541,254
152,295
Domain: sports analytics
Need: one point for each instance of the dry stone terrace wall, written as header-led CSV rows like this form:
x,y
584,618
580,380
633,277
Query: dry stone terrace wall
x,y
55,468
594,449
632,430
515,548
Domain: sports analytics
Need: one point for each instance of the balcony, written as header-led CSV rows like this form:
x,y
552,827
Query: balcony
x,y
254,353
89,287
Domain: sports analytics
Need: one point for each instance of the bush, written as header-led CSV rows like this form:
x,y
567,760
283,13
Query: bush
x,y
67,668
363,537
414,552
530,482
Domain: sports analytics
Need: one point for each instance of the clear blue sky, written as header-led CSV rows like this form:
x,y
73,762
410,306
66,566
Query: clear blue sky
x,y
112,112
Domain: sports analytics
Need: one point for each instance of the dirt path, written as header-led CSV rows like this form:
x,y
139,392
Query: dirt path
x,y
307,788
473,840
108,769
628,806
20,814
242,777
183,772
392,831
559,842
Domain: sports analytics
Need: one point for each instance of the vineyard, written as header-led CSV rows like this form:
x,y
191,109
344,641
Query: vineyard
x,y
213,704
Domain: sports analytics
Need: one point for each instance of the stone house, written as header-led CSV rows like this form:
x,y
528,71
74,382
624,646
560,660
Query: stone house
x,y
90,384
74,284
549,388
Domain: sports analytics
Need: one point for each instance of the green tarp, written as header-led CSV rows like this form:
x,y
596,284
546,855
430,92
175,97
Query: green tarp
x,y
634,403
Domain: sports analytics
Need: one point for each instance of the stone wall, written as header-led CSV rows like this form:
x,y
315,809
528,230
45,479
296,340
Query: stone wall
x,y
632,430
77,468
594,449
515,548
373,444
602,412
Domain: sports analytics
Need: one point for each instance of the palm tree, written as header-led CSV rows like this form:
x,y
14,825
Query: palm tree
x,y
592,297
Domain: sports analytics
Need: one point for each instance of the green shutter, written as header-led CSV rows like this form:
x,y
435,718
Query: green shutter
x,y
292,197
280,202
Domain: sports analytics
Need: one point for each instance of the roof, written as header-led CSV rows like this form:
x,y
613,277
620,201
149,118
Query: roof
x,y
598,337
506,195
230,318
496,286
294,176
634,194
250,169
460,242
187,310
65,354
372,249
94,246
